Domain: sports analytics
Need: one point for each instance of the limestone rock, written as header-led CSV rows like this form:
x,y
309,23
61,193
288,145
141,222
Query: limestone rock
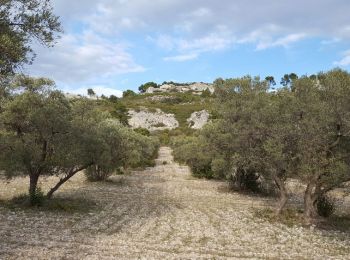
x,y
196,88
198,119
152,121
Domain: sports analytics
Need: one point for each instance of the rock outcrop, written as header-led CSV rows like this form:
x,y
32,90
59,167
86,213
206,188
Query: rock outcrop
x,y
195,88
198,119
152,121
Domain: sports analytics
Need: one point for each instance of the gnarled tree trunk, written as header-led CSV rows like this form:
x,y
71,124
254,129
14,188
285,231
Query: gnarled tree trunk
x,y
310,211
283,194
33,183
69,175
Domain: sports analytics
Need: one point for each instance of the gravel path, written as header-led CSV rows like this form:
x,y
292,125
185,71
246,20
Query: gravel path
x,y
159,213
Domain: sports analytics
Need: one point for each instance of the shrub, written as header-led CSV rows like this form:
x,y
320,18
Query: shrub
x,y
206,93
142,131
193,152
143,88
129,93
97,173
245,180
325,206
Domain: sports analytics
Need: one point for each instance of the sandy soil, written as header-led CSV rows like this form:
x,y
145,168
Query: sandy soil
x,y
159,213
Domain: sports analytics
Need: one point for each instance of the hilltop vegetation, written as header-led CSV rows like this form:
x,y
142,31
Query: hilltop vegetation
x,y
262,137
43,133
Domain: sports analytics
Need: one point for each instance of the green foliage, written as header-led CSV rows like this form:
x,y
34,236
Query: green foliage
x,y
143,88
206,93
120,112
37,198
22,22
193,152
91,92
44,133
97,173
113,99
129,93
260,138
143,131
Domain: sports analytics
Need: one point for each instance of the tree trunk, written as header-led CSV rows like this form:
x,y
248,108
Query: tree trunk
x,y
70,174
283,195
309,203
33,183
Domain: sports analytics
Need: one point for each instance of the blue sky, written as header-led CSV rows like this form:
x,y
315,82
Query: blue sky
x,y
114,45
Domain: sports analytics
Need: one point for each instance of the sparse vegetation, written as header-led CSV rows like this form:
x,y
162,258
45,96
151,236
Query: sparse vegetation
x,y
267,177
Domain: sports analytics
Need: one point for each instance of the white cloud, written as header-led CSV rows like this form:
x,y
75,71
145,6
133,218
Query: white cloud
x,y
80,58
281,42
345,61
99,90
181,58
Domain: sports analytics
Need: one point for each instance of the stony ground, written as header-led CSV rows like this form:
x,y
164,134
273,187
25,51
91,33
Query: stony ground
x,y
159,213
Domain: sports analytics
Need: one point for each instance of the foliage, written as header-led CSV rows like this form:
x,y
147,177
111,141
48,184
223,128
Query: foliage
x,y
143,131
97,173
44,133
113,99
206,93
193,152
143,88
22,22
261,138
91,92
129,93
120,112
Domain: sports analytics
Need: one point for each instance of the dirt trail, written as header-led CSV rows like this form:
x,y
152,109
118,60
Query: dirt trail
x,y
159,213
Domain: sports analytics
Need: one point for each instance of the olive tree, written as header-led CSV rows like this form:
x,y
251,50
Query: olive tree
x,y
22,22
322,134
34,122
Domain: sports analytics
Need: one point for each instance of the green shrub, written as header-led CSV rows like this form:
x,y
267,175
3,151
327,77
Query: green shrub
x,y
193,152
142,131
38,198
245,180
206,93
129,93
97,173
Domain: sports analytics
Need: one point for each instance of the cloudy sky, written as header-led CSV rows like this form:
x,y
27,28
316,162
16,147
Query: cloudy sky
x,y
114,45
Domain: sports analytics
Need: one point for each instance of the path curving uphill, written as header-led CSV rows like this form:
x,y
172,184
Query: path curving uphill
x,y
159,213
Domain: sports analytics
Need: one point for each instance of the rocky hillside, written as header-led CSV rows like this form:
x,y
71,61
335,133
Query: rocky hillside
x,y
196,88
168,111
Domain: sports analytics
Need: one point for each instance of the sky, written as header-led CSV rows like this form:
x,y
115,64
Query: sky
x,y
115,45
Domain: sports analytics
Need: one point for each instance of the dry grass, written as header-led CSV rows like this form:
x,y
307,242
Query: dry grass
x,y
158,213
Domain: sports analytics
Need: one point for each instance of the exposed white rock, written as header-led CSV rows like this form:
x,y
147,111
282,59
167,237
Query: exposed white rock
x,y
198,119
152,121
196,88
160,98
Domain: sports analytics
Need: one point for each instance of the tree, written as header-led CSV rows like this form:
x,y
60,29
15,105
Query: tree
x,y
143,88
91,92
21,22
288,80
44,133
271,80
113,98
129,93
254,138
323,135
35,122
